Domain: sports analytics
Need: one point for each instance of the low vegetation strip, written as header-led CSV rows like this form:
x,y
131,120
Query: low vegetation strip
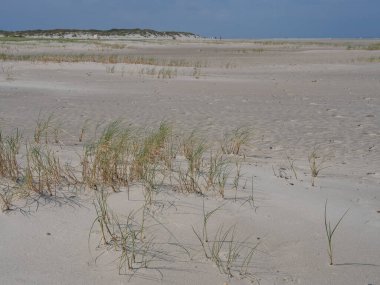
x,y
120,156
101,58
106,33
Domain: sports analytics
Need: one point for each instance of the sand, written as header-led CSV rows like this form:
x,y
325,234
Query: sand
x,y
295,95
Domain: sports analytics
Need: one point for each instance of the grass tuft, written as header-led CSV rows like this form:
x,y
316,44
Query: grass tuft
x,y
9,149
127,238
42,128
330,233
228,253
43,173
235,140
316,164
8,71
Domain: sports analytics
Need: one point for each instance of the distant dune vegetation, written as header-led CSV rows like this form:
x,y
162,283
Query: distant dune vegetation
x,y
94,33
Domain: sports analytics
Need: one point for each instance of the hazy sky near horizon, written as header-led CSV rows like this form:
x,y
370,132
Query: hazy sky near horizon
x,y
226,18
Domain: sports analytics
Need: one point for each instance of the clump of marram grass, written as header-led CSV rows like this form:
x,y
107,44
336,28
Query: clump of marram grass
x,y
110,69
316,164
152,159
235,140
56,129
103,218
135,249
163,73
149,182
189,182
204,169
229,65
190,174
6,197
148,71
217,173
8,71
43,172
38,170
238,176
122,155
42,128
127,238
230,255
105,161
9,149
151,149
291,165
167,73
196,72
330,233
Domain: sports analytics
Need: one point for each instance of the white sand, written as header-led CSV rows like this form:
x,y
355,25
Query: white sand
x,y
295,96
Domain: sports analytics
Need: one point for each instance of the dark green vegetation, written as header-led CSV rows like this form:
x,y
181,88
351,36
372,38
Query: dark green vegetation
x,y
106,33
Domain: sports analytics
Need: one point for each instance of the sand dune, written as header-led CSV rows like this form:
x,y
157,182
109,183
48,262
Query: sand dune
x,y
296,96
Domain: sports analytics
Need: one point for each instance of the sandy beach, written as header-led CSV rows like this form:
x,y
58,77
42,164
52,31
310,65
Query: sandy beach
x,y
292,97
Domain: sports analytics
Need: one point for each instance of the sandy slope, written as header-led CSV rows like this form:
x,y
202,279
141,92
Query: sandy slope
x,y
294,96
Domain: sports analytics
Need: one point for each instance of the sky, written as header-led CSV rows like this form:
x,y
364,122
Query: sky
x,y
210,18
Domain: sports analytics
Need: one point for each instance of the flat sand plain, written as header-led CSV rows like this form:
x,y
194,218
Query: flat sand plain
x,y
294,95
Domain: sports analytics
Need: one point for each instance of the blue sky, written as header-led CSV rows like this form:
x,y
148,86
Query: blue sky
x,y
226,18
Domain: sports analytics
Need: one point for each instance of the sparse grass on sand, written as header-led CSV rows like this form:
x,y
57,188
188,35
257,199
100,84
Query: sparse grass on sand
x,y
224,249
105,58
122,156
235,140
8,71
373,46
330,230
317,163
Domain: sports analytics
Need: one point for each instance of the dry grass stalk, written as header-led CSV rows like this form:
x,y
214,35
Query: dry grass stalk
x,y
83,130
292,167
